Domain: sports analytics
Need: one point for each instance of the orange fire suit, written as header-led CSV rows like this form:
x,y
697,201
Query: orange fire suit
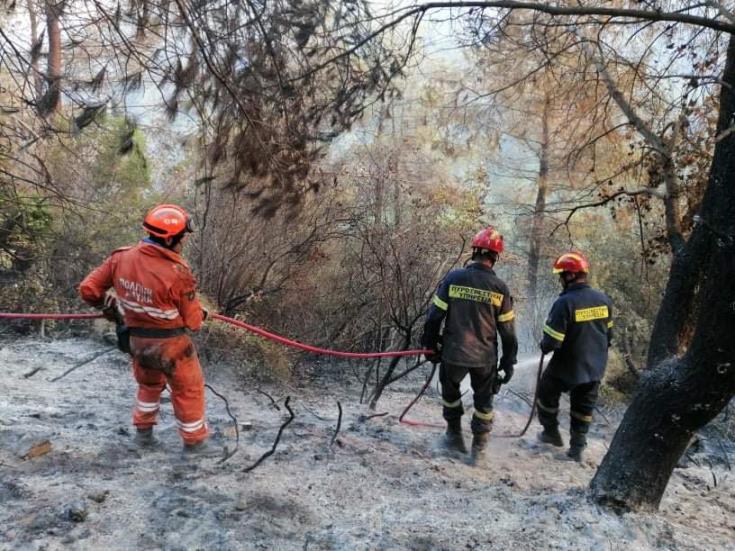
x,y
156,294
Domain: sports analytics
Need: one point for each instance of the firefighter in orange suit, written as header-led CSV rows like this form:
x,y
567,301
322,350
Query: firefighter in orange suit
x,y
155,296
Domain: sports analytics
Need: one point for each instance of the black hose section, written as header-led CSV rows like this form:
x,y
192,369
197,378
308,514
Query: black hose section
x,y
533,405
234,420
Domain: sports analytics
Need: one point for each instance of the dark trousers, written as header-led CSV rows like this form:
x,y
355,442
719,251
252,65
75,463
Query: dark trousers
x,y
481,379
583,399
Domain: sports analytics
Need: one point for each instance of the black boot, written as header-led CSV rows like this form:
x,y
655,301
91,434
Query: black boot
x,y
479,443
144,438
453,438
551,435
577,444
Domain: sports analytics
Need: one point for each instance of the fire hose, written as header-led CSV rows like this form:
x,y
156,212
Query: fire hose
x,y
305,347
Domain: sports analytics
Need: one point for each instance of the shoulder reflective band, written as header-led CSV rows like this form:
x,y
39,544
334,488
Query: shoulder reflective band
x,y
476,295
589,314
439,303
506,317
553,334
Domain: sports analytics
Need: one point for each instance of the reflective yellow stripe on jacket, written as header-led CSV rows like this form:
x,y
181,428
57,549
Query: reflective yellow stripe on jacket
x,y
553,334
439,303
506,317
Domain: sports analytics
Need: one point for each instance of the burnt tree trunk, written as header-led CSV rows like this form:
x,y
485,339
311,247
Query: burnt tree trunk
x,y
681,395
684,277
539,211
52,99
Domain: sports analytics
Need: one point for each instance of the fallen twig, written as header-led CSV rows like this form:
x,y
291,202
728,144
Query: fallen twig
x,y
521,396
273,402
339,424
85,362
234,420
32,372
607,421
278,438
364,418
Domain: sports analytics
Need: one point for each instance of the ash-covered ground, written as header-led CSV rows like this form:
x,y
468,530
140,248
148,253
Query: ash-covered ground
x,y
71,478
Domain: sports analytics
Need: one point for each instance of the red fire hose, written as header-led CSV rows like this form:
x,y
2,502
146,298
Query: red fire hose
x,y
248,327
263,333
306,347
315,349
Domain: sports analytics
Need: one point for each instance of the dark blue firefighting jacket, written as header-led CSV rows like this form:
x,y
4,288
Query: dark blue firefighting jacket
x,y
477,306
579,331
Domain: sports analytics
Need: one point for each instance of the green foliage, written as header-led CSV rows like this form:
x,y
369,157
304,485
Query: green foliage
x,y
24,224
47,246
110,185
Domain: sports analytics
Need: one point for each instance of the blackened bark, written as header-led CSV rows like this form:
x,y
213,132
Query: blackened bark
x,y
684,276
674,400
539,210
689,260
681,395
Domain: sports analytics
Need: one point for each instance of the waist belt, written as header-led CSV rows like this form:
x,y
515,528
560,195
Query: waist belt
x,y
155,332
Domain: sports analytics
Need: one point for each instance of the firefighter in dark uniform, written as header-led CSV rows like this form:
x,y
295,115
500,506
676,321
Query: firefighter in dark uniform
x,y
578,331
475,306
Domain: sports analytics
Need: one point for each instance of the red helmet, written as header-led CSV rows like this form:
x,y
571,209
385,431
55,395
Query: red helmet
x,y
488,239
167,221
571,262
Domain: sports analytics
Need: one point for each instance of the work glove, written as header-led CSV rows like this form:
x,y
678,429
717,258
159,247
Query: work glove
x,y
109,309
506,368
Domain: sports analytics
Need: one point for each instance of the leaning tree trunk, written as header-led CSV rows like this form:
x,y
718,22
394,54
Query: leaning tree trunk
x,y
681,395
539,211
684,275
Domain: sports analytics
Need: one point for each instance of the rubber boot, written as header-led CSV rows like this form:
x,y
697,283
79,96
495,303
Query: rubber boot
x,y
453,438
201,450
477,453
551,435
144,438
577,444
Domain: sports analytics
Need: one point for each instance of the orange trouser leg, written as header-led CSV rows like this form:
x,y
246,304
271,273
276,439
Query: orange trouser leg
x,y
148,400
187,396
174,360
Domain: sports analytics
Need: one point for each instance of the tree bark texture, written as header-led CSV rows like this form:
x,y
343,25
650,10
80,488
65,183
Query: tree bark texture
x,y
684,276
52,99
680,395
689,260
35,49
539,210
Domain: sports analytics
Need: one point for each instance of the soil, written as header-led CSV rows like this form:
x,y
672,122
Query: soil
x,y
71,476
